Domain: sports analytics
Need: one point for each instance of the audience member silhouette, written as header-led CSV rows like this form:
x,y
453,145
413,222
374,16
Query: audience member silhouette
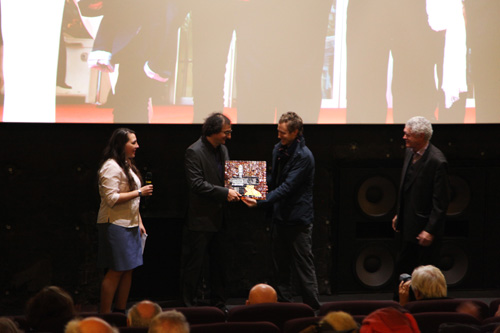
x,y
262,293
169,322
7,325
335,321
426,282
141,314
49,310
389,320
89,325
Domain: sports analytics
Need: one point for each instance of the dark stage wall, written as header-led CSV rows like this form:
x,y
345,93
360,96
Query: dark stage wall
x,y
49,202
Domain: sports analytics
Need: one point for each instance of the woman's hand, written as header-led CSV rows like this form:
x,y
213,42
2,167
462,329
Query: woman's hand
x,y
141,227
147,190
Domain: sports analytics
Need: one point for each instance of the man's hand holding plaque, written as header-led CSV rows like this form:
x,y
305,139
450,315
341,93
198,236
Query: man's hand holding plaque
x,y
247,178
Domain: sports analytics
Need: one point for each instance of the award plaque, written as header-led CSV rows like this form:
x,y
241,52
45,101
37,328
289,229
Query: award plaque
x,y
248,178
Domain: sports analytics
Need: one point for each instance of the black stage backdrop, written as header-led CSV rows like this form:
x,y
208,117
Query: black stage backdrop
x,y
49,203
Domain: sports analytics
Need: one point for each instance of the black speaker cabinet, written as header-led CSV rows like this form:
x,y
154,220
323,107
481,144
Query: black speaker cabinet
x,y
462,257
365,244
492,229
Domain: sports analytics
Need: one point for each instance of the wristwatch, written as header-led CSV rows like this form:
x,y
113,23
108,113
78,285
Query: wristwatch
x,y
140,193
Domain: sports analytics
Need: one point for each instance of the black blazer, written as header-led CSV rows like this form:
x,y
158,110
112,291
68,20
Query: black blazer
x,y
423,197
207,194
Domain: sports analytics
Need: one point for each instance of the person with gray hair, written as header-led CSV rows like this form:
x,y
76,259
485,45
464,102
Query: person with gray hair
x,y
169,322
420,125
141,313
427,282
423,199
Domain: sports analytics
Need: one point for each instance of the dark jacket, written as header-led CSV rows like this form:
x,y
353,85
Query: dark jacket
x,y
207,194
423,197
292,195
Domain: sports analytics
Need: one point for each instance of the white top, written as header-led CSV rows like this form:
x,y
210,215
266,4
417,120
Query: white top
x,y
112,182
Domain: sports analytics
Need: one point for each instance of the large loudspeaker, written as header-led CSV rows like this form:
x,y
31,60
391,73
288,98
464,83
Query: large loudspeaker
x,y
462,257
492,227
366,248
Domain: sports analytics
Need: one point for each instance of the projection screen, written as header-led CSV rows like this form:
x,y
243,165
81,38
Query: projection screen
x,y
176,61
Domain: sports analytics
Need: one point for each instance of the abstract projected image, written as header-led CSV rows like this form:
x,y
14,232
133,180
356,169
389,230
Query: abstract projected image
x,y
176,61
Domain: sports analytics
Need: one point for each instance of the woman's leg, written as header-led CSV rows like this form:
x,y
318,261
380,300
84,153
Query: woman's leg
x,y
109,285
123,290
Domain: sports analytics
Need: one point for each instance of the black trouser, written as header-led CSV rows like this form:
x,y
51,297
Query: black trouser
x,y
197,247
293,258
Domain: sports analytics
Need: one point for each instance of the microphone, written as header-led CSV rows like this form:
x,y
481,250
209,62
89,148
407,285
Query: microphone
x,y
149,178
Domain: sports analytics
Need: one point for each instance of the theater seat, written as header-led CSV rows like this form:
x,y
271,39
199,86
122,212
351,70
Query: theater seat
x,y
201,314
357,307
298,324
133,329
117,319
429,322
276,313
446,305
494,306
240,327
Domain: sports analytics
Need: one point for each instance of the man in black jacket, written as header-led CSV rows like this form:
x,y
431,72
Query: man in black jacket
x,y
423,198
291,197
206,215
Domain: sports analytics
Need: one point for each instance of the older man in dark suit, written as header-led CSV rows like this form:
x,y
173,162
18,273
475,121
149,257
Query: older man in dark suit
x,y
206,216
423,198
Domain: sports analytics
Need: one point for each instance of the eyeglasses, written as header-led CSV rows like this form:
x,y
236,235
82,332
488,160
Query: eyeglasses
x,y
228,132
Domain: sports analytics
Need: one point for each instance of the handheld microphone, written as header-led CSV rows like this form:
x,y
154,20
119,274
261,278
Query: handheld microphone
x,y
149,178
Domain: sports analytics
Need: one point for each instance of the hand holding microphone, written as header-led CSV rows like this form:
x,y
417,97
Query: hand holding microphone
x,y
147,190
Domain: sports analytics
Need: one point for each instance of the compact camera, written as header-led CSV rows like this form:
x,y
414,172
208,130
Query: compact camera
x,y
405,277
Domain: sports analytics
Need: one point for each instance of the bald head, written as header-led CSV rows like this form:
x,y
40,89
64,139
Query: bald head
x,y
89,325
141,314
262,293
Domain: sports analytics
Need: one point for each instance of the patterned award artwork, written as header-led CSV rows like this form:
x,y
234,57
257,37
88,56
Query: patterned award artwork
x,y
248,178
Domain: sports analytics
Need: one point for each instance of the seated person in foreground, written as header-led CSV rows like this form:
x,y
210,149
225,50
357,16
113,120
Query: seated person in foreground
x,y
141,314
335,321
7,325
389,320
169,322
89,325
262,293
49,310
428,282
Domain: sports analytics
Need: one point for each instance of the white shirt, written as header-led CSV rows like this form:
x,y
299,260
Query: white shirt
x,y
112,182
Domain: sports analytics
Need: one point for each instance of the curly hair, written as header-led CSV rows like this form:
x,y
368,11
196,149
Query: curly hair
x,y
214,123
293,122
420,125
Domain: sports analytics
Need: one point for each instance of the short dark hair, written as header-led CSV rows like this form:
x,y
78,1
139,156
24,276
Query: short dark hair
x,y
293,122
51,306
214,123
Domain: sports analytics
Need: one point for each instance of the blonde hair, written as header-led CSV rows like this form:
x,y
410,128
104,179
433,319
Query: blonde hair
x,y
341,321
429,281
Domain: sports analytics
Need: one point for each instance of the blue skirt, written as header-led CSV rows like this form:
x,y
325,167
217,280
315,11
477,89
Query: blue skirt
x,y
119,248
